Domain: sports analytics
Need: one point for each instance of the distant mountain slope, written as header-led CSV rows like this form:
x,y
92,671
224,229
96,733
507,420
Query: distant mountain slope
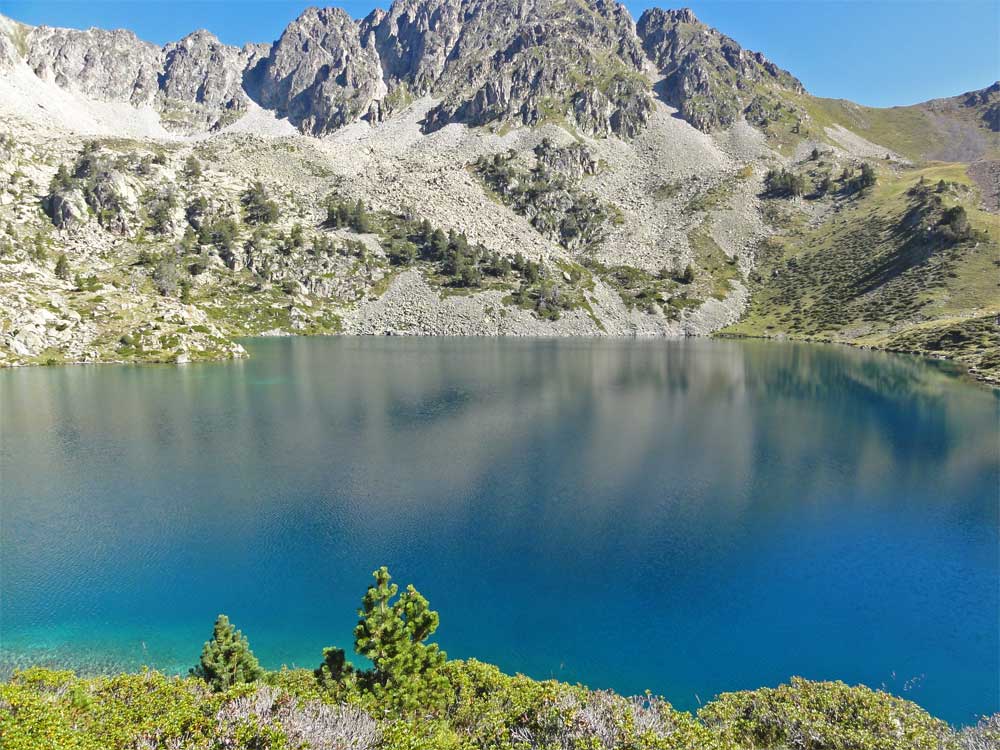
x,y
476,167
961,128
910,264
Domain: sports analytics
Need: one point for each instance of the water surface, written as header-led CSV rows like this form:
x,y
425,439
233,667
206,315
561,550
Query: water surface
x,y
685,516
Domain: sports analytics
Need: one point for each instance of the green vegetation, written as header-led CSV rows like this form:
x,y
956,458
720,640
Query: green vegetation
x,y
62,267
258,207
717,268
227,660
452,262
192,167
412,698
907,263
551,201
342,215
782,183
973,341
668,290
406,673
710,197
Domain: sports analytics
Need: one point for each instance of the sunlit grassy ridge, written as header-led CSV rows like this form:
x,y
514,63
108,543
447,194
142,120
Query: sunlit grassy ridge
x,y
886,269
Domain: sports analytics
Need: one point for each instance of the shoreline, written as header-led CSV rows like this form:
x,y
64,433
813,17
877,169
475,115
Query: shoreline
x,y
966,373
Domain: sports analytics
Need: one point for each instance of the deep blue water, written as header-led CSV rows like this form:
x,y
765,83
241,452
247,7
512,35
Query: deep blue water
x,y
685,516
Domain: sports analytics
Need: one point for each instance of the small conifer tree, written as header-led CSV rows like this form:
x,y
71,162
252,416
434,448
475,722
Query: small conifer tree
x,y
227,660
192,167
405,670
62,267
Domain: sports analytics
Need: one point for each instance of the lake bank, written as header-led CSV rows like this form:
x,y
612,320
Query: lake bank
x,y
989,376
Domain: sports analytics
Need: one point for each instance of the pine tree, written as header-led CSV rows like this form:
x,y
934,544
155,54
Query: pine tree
x,y
227,660
438,245
359,218
335,672
259,208
62,179
406,672
192,167
62,267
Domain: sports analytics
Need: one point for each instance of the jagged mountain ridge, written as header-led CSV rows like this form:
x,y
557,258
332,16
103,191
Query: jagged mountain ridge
x,y
520,61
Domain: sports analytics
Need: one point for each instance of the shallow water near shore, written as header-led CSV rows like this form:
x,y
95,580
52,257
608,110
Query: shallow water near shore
x,y
688,516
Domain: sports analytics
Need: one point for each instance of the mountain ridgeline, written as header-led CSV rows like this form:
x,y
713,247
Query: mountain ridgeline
x,y
485,60
478,167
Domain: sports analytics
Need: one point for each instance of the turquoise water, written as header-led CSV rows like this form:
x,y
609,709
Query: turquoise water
x,y
685,516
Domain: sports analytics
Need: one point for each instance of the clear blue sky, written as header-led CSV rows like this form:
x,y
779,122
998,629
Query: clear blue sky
x,y
876,52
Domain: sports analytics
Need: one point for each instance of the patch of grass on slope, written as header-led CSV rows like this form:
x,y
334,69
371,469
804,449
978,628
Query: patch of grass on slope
x,y
909,131
883,271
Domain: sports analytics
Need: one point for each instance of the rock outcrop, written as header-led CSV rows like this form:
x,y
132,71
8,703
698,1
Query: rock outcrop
x,y
319,74
707,76
986,100
415,40
535,62
12,42
66,207
103,65
201,69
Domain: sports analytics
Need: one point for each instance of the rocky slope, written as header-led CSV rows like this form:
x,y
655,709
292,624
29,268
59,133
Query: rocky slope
x,y
454,167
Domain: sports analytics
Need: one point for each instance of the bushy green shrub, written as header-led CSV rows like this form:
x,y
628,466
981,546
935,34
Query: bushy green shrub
x,y
822,716
258,206
784,184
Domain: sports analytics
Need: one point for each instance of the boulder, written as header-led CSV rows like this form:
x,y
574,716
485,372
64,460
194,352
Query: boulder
x,y
67,208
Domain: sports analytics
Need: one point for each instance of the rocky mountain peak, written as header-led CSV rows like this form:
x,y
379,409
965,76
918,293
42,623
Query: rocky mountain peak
x,y
319,74
415,39
202,70
106,65
525,62
707,76
541,60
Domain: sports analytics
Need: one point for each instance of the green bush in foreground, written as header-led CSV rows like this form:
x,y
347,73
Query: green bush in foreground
x,y
413,699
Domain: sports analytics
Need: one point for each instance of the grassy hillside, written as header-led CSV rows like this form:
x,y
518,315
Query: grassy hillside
x,y
413,698
909,264
959,128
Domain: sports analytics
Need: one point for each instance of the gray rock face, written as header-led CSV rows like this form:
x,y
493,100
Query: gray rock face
x,y
114,200
987,100
708,77
414,41
105,65
537,60
318,74
13,44
574,161
66,207
488,61
202,70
